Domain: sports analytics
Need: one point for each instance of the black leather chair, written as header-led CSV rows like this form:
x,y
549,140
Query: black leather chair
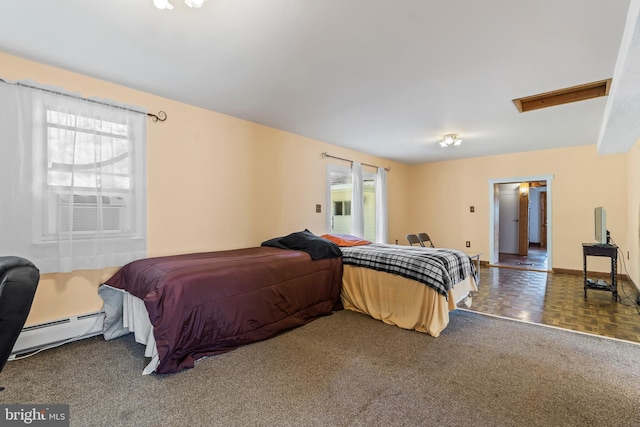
x,y
18,282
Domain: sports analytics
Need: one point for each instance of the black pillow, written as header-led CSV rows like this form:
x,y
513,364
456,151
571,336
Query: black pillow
x,y
316,246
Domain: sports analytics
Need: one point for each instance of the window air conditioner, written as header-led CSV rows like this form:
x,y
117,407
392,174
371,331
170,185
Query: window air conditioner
x,y
85,213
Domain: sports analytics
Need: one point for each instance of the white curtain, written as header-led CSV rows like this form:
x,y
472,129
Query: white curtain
x,y
73,179
382,228
357,200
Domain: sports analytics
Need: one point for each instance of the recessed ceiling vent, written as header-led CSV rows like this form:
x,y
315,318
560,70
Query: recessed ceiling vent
x,y
563,96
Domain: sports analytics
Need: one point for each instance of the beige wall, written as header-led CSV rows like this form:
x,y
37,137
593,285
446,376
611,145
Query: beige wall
x,y
217,182
582,180
214,182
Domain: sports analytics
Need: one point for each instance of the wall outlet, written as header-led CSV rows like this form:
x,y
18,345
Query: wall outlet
x,y
472,209
318,208
468,244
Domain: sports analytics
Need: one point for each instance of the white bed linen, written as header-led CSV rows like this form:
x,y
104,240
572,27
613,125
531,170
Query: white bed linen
x,y
135,319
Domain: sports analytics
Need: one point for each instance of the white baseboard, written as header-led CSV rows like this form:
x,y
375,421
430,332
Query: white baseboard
x,y
35,337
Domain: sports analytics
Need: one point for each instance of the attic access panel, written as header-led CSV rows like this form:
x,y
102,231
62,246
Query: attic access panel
x,y
563,96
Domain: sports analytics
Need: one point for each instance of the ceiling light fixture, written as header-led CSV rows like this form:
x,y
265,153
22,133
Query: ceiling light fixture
x,y
164,4
450,139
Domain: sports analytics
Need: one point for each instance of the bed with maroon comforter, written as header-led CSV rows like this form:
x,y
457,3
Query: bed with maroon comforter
x,y
208,303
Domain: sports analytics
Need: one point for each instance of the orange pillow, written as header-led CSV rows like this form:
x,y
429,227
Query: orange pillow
x,y
346,239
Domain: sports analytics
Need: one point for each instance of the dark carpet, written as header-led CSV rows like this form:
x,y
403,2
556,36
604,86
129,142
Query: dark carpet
x,y
350,370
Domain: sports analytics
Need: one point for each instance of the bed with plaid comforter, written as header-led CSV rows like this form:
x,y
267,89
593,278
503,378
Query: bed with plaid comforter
x,y
438,268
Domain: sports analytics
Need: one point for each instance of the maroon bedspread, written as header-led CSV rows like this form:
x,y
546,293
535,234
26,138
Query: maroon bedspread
x,y
208,303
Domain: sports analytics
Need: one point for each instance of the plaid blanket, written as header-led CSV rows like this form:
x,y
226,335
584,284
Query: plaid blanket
x,y
437,268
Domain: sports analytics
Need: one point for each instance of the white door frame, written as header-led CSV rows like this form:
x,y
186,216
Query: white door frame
x,y
494,206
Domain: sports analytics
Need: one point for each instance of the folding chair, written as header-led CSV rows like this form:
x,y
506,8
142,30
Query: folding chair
x,y
424,239
413,238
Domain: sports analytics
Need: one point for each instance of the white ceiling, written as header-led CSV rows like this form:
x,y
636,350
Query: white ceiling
x,y
385,77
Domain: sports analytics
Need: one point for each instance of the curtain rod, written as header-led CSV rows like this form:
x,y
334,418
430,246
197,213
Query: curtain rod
x,y
160,117
325,155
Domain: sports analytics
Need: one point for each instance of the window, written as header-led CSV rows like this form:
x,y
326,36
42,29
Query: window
x,y
88,179
75,174
342,207
339,189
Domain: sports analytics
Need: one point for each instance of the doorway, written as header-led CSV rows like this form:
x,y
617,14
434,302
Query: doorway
x,y
520,225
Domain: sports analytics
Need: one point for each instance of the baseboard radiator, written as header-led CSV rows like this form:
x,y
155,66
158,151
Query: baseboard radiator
x,y
36,337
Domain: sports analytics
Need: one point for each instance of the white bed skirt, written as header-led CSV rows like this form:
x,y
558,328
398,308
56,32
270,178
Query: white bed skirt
x,y
124,314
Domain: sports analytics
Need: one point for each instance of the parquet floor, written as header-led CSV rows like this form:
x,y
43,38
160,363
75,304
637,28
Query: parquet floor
x,y
536,259
557,299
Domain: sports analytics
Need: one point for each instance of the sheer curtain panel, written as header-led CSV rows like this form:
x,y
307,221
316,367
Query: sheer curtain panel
x,y
73,179
357,200
382,228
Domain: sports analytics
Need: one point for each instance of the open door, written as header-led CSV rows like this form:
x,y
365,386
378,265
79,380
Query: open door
x,y
509,205
523,223
543,219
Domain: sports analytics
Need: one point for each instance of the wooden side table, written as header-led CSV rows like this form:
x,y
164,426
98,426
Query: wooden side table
x,y
601,250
